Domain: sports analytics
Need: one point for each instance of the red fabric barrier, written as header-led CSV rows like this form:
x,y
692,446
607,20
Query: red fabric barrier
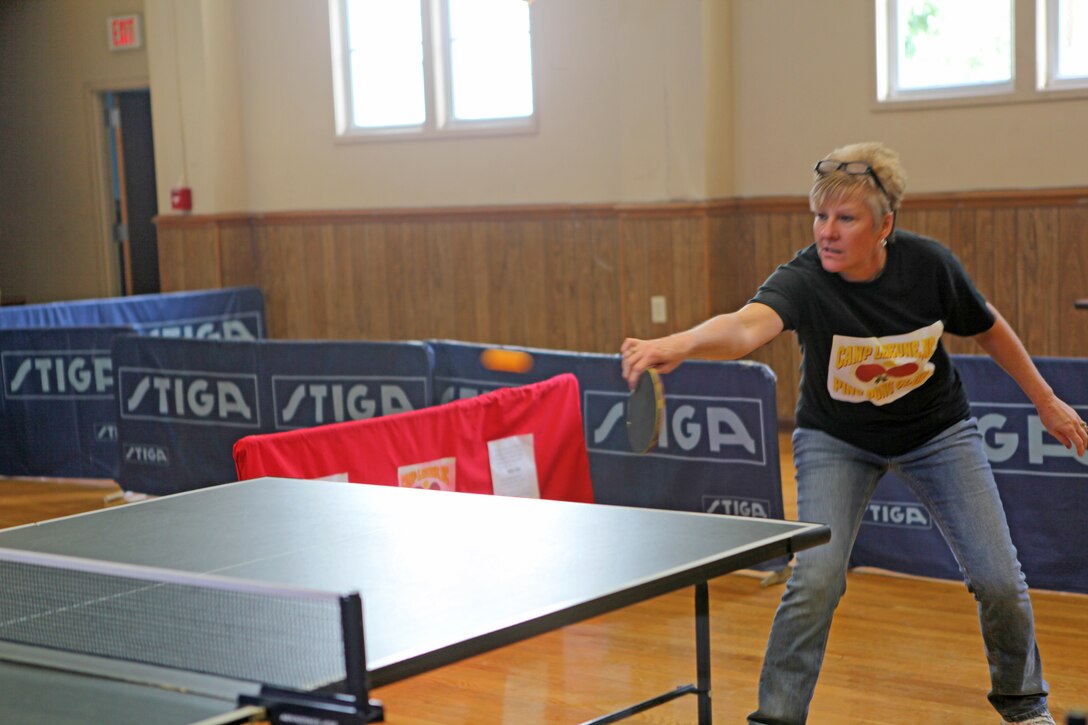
x,y
445,446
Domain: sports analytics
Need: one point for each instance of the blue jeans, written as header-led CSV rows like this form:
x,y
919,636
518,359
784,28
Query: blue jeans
x,y
952,478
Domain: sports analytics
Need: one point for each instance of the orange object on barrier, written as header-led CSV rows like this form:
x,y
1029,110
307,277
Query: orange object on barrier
x,y
507,361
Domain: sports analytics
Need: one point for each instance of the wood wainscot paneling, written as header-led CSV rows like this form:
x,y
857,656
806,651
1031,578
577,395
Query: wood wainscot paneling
x,y
206,252
538,277
580,277
664,252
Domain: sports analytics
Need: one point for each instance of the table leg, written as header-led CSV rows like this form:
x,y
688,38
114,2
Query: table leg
x,y
702,651
702,666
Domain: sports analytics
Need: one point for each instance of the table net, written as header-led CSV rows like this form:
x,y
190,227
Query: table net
x,y
231,628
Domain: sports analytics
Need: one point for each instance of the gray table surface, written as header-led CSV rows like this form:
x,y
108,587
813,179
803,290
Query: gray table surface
x,y
442,576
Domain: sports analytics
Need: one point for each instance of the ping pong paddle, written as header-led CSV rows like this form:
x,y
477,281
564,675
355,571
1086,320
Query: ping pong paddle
x,y
645,412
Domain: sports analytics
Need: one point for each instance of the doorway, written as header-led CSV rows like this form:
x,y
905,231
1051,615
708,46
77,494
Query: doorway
x,y
134,196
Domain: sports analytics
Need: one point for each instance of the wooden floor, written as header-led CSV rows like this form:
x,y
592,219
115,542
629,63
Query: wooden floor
x,y
902,650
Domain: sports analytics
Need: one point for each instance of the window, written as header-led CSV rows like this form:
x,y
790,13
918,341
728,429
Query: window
x,y
973,50
1063,44
431,67
938,48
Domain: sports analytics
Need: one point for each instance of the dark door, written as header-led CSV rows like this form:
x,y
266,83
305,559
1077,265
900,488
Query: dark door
x,y
136,198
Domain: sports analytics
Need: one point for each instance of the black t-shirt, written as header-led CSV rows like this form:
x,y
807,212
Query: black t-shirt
x,y
874,372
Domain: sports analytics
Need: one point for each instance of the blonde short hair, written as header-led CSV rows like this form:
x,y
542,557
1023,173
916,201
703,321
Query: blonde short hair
x,y
840,185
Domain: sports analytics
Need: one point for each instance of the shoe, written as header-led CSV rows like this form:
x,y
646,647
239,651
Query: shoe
x,y
1043,719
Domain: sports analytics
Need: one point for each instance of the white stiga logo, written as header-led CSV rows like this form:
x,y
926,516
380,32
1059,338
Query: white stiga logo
x,y
105,432
696,428
189,396
35,374
756,508
234,326
1017,442
900,514
306,400
147,454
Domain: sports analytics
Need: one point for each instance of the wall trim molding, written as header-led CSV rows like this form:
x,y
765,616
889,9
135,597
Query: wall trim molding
x,y
1072,196
184,221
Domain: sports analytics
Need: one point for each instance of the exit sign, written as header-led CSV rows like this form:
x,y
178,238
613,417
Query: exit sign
x,y
124,32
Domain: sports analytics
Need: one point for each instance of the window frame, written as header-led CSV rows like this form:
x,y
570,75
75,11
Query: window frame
x,y
1048,46
887,31
437,85
1030,66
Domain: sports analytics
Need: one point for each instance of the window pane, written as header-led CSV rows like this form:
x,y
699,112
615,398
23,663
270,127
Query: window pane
x,y
490,59
945,43
386,57
1072,38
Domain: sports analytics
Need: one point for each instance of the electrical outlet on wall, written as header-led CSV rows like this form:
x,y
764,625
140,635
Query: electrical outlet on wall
x,y
658,311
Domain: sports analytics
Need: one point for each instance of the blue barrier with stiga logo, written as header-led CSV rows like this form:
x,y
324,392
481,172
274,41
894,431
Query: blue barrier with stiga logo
x,y
718,448
57,408
41,442
235,313
183,403
1043,486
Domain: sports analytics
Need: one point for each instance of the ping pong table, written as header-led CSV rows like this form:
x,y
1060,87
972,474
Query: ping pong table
x,y
364,585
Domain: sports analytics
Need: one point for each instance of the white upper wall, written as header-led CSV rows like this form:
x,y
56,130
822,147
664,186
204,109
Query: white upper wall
x,y
805,84
639,101
620,97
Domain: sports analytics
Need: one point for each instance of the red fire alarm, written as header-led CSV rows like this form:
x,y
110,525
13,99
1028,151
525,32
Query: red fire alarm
x,y
124,32
181,198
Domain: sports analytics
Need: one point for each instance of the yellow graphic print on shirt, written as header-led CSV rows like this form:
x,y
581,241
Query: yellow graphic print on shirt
x,y
881,369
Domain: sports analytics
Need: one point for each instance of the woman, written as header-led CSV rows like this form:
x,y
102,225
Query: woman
x,y
878,392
